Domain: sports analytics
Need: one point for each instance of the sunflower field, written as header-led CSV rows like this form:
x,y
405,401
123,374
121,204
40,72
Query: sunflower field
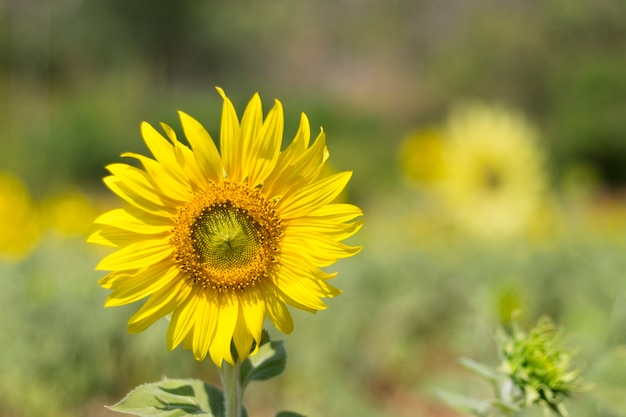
x,y
485,146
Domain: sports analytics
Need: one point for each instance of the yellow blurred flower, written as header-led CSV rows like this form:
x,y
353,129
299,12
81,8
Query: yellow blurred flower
x,y
548,223
606,217
493,179
421,157
18,219
221,240
69,213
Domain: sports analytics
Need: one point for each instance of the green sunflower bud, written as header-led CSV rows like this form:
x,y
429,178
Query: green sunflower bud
x,y
538,365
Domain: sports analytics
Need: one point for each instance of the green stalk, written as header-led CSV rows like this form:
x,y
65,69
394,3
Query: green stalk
x,y
232,389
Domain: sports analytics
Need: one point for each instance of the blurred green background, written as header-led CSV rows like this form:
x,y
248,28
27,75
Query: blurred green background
x,y
77,77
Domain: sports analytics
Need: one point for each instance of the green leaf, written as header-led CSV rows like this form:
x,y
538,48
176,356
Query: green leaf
x,y
479,369
288,414
270,361
465,404
173,398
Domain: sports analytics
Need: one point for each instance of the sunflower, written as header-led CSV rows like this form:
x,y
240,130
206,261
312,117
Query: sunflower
x,y
493,178
18,219
221,240
421,157
69,213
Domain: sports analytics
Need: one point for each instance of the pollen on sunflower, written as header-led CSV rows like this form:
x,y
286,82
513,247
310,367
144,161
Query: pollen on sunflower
x,y
223,239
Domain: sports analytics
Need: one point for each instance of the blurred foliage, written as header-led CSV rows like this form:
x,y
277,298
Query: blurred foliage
x,y
561,61
77,77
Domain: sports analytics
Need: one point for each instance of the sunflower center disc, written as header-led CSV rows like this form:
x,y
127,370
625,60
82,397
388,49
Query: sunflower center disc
x,y
492,178
227,237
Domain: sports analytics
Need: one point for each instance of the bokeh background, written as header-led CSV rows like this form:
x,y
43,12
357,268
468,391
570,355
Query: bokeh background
x,y
386,80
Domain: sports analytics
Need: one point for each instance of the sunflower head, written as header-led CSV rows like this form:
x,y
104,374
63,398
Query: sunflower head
x,y
18,218
69,213
493,178
421,157
221,240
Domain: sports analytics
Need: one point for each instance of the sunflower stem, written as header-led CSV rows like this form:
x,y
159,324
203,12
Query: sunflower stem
x,y
233,392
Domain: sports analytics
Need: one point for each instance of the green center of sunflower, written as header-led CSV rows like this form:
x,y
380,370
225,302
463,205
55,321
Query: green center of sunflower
x,y
492,178
227,237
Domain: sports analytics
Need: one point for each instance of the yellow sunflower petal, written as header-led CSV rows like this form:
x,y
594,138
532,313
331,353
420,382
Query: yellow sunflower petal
x,y
118,238
122,219
303,170
142,284
297,147
183,320
139,199
276,311
188,342
239,148
137,180
242,338
207,315
307,199
300,284
321,251
340,212
303,267
251,315
227,320
162,151
186,159
334,231
231,143
203,146
302,290
109,280
137,255
296,304
312,162
112,236
160,304
161,180
171,135
266,147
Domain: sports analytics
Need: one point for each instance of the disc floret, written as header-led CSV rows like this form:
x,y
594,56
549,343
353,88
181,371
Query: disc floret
x,y
227,237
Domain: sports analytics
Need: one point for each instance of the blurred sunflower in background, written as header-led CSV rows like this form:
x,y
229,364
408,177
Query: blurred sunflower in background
x,y
221,241
18,219
421,157
493,179
69,213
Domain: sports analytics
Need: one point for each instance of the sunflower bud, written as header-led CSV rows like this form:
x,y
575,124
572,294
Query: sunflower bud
x,y
538,366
